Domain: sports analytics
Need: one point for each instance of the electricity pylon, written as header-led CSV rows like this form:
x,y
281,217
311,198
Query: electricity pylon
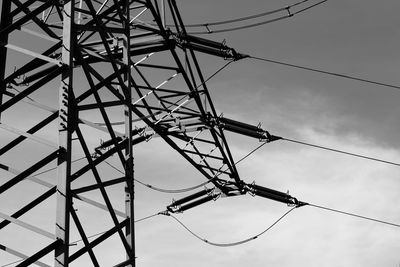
x,y
72,70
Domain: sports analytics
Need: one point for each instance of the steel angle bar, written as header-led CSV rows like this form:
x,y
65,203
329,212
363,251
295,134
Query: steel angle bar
x,y
84,238
28,135
98,240
32,130
28,171
31,89
29,206
29,178
97,186
203,155
20,255
99,205
32,259
128,262
66,126
28,226
33,64
45,37
33,54
153,66
138,15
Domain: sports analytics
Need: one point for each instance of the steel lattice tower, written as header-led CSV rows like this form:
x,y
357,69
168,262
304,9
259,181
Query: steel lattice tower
x,y
111,70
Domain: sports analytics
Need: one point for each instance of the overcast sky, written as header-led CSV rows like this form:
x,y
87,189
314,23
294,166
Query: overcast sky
x,y
353,37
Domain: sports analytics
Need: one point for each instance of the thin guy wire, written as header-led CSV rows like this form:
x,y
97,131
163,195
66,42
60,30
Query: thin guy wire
x,y
231,243
341,151
48,170
327,72
354,215
136,221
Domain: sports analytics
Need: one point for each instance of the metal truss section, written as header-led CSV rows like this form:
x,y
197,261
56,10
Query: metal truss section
x,y
72,72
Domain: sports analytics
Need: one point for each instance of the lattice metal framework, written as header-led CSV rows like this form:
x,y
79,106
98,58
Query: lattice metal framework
x,y
111,69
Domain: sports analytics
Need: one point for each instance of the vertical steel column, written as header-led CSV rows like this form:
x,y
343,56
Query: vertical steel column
x,y
129,164
65,129
4,22
163,16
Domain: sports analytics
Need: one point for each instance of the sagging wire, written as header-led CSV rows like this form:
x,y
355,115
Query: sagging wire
x,y
265,13
183,190
230,244
163,190
288,15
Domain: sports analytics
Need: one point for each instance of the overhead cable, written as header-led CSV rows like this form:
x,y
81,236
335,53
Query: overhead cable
x,y
230,244
341,151
286,9
326,72
354,215
265,13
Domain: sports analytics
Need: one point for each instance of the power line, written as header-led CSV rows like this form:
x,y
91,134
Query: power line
x,y
288,15
251,152
231,243
341,151
327,72
354,215
263,14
